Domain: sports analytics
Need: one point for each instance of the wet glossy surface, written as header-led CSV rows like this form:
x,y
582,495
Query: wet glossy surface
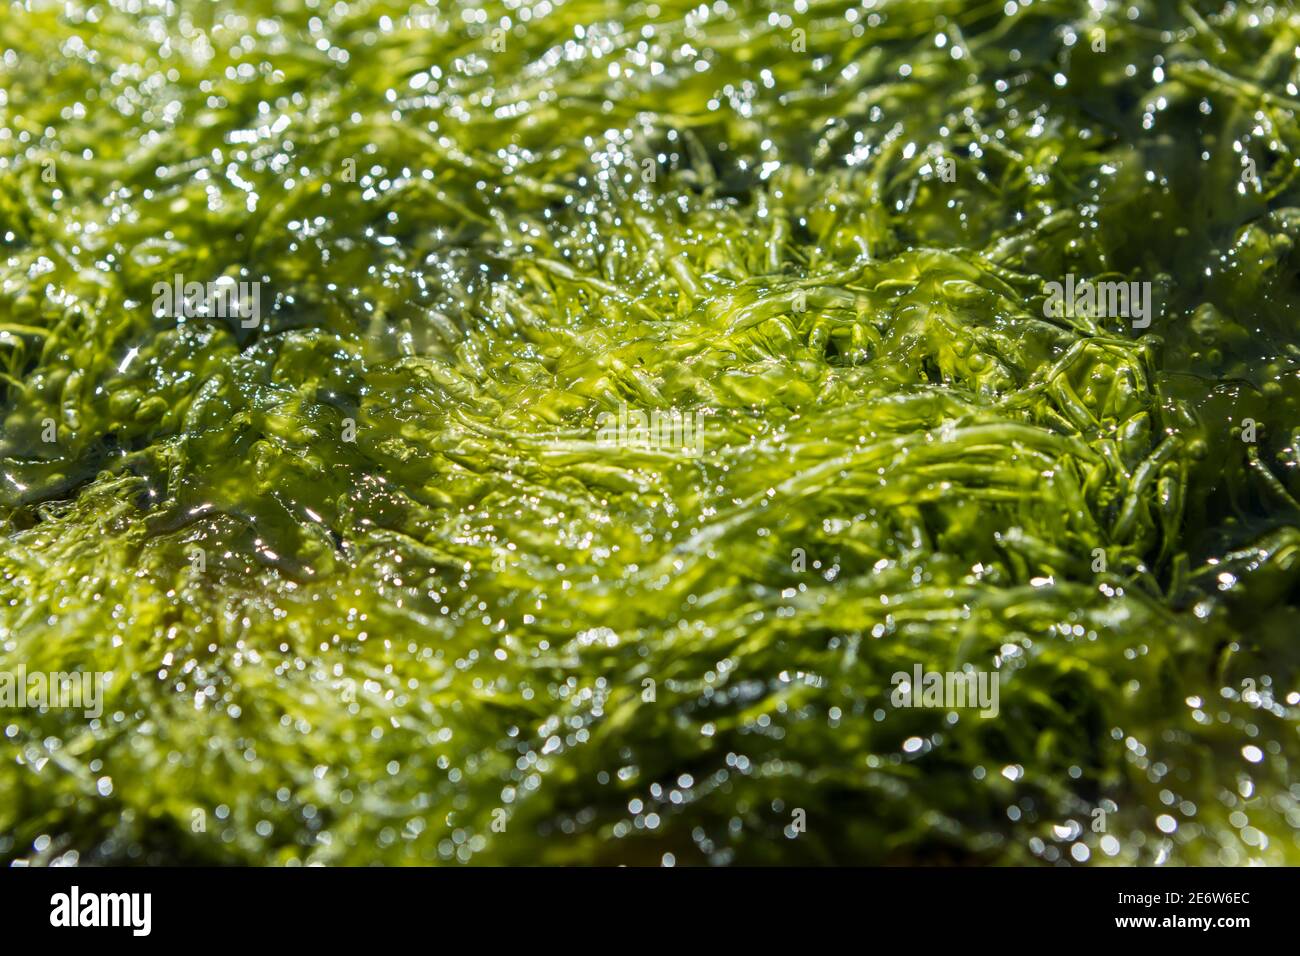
x,y
426,598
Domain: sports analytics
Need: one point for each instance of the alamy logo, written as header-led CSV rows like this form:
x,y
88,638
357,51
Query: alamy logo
x,y
669,430
220,299
103,909
76,690
1123,300
946,690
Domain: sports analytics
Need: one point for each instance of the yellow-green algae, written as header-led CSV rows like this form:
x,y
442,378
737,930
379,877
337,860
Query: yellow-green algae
x,y
477,228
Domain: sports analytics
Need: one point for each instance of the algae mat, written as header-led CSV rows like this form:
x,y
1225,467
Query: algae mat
x,y
586,432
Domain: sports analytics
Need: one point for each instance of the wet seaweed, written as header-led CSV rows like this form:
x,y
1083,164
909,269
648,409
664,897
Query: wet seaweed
x,y
366,581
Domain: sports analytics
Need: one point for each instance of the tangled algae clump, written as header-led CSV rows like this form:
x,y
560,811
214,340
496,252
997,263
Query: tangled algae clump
x,y
366,581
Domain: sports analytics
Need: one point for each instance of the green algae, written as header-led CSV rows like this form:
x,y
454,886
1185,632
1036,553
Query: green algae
x,y
368,587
